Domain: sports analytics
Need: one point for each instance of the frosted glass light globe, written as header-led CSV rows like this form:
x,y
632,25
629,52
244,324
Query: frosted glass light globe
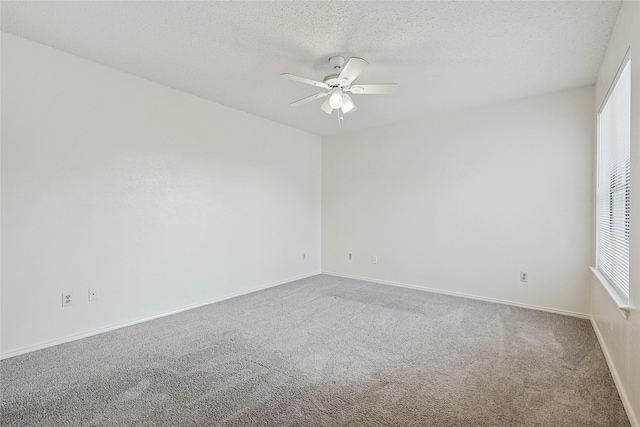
x,y
335,100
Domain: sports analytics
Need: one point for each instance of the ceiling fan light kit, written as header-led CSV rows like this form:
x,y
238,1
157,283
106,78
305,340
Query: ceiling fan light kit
x,y
338,86
347,104
335,100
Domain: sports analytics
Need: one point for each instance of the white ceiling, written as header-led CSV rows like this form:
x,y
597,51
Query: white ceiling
x,y
445,55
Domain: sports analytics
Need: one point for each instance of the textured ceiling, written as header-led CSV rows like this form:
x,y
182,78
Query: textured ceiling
x,y
445,55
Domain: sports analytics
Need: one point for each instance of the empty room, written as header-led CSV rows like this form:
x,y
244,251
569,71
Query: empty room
x,y
323,213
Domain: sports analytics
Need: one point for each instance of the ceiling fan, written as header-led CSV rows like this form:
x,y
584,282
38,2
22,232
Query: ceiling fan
x,y
339,85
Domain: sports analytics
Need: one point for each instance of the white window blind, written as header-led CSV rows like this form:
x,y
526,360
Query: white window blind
x,y
613,202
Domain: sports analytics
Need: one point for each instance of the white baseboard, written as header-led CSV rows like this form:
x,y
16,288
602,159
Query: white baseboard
x,y
633,419
460,294
93,332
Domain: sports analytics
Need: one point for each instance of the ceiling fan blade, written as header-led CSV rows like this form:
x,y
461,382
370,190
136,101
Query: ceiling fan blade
x,y
376,89
326,107
352,70
304,80
309,99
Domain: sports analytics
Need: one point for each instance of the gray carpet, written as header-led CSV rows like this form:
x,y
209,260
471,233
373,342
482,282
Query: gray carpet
x,y
323,351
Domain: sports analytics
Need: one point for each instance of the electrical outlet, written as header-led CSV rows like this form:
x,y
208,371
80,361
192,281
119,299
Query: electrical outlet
x,y
350,257
524,277
374,259
304,256
67,299
93,294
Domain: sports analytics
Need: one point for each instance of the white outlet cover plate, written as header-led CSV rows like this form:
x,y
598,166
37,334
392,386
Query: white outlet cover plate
x,y
67,299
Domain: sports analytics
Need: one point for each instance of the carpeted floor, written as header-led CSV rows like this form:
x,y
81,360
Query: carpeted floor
x,y
323,351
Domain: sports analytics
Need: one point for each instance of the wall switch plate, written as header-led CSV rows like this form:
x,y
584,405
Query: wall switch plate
x,y
304,256
67,299
93,294
524,277
374,259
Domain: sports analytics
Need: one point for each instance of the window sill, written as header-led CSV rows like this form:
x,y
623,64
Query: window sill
x,y
620,302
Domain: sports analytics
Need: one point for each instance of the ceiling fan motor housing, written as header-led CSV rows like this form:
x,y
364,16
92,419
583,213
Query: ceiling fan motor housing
x,y
332,80
337,62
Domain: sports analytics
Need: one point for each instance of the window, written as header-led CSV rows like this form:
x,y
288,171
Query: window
x,y
613,192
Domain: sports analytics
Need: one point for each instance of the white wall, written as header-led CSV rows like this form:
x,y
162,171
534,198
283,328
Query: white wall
x,y
159,199
464,202
620,337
